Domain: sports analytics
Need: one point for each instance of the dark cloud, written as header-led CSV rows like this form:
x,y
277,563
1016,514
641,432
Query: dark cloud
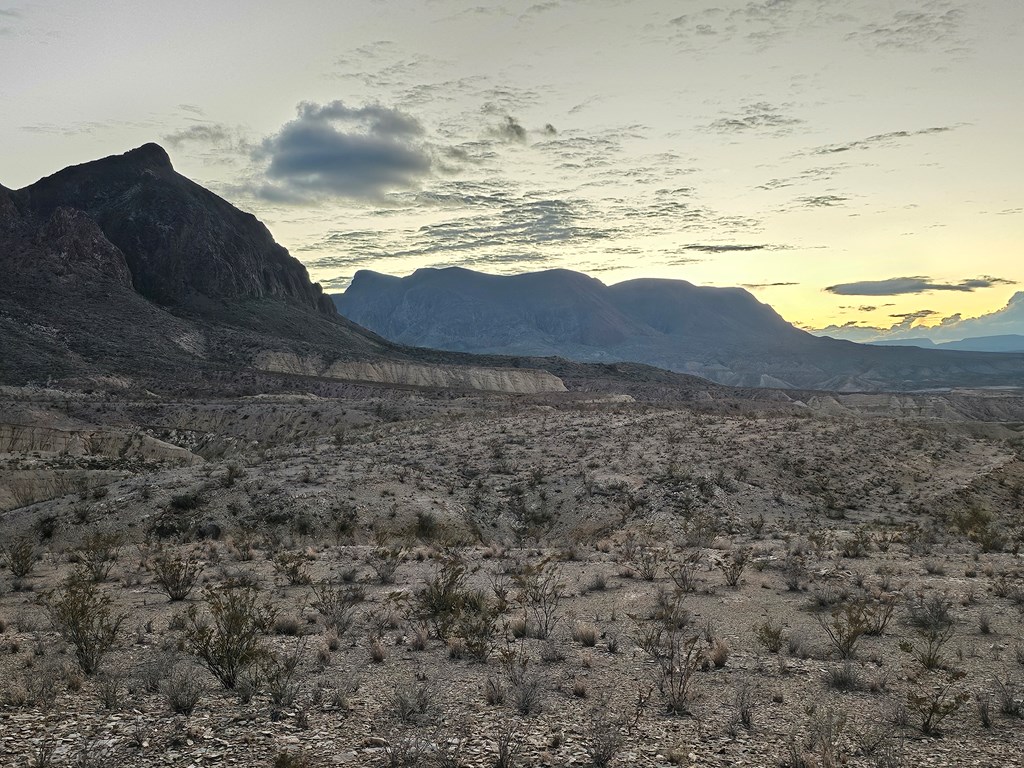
x,y
916,315
732,248
900,285
760,116
879,140
377,119
209,133
510,130
757,286
337,150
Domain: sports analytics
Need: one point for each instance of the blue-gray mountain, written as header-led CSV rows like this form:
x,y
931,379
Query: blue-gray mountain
x,y
722,334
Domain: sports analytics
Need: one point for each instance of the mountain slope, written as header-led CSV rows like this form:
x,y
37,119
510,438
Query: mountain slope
x,y
179,239
723,334
123,270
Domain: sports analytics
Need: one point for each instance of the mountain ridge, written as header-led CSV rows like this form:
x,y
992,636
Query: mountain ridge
x,y
722,334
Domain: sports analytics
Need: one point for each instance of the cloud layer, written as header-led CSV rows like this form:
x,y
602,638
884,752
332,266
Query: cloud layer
x,y
900,285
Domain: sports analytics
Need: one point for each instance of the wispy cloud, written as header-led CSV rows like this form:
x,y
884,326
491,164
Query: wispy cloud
x,y
207,133
821,201
759,286
500,229
914,29
732,247
880,140
761,116
901,285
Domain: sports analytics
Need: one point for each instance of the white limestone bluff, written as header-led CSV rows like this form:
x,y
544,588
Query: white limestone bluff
x,y
524,381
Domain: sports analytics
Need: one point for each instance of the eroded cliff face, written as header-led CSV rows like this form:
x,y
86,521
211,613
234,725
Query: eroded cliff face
x,y
510,380
108,443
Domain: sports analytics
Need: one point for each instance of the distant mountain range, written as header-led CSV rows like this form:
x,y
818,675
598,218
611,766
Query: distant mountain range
x,y
1007,342
722,334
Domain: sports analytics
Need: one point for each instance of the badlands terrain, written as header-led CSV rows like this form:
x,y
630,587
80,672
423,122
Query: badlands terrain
x,y
383,576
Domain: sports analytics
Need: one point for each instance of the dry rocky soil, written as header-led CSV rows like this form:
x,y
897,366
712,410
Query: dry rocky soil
x,y
418,578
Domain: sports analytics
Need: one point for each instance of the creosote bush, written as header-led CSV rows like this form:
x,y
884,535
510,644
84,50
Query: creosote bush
x,y
97,555
85,617
175,575
21,555
227,636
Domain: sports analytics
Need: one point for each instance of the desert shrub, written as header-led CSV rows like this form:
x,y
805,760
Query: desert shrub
x,y
585,634
677,658
337,605
604,737
109,687
509,743
175,575
186,502
540,592
291,759
732,567
227,637
845,628
97,555
414,702
683,570
823,743
1010,702
494,691
744,703
385,561
878,614
182,690
20,555
934,624
718,653
527,694
464,617
292,567
845,677
441,599
85,617
769,634
933,698
278,671
857,545
598,583
647,562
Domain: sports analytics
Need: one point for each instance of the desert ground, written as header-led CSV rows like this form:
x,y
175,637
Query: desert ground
x,y
413,577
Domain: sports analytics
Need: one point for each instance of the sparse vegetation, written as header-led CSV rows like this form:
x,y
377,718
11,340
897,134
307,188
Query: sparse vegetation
x,y
592,560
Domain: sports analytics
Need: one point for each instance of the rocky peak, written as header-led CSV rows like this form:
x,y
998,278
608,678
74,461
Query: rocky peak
x,y
150,155
182,243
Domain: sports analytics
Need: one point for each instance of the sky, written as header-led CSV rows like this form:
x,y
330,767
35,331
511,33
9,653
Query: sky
x,y
856,164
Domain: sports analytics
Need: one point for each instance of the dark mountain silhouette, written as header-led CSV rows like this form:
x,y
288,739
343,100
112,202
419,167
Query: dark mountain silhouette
x,y
180,241
123,265
723,334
